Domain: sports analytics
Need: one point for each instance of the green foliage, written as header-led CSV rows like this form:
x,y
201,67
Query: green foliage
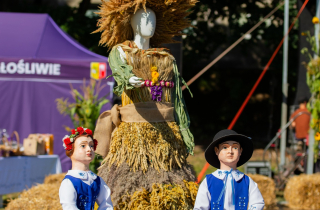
x,y
313,81
84,111
86,108
219,92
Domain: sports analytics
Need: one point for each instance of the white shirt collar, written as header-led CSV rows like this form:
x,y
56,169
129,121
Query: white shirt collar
x,y
220,174
82,174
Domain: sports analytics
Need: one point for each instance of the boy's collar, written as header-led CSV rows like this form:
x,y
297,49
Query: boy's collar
x,y
220,174
82,174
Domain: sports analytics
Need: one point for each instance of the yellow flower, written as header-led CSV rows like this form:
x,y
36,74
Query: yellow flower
x,y
317,136
155,80
154,68
303,34
315,20
155,74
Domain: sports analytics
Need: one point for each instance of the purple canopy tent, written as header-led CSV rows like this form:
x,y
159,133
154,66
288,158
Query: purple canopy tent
x,y
37,63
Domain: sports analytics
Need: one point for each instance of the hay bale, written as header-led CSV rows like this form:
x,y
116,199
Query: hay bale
x,y
42,196
302,192
54,178
267,188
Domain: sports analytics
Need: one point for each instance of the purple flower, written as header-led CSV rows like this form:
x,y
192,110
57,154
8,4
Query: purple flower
x,y
156,92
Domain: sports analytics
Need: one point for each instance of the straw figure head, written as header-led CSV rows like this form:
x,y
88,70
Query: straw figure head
x,y
115,20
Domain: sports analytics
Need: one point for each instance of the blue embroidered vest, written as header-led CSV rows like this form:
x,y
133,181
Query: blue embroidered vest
x,y
241,190
86,195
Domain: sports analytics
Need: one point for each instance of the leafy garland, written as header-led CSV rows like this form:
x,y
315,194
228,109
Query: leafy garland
x,y
313,81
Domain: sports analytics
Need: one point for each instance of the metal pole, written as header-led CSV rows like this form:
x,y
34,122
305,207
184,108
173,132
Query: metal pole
x,y
284,106
311,132
310,152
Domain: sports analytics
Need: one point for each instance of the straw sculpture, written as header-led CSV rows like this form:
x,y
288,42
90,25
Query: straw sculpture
x,y
302,192
146,165
267,188
115,26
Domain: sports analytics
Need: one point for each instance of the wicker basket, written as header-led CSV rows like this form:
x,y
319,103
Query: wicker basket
x,y
8,148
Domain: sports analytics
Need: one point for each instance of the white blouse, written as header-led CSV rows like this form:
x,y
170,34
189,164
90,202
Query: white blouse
x,y
68,194
203,199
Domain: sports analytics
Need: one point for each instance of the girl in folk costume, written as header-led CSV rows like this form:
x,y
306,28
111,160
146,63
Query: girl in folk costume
x,y
227,188
81,188
145,141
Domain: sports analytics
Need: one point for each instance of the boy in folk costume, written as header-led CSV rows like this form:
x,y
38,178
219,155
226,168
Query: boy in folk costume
x,y
227,188
81,188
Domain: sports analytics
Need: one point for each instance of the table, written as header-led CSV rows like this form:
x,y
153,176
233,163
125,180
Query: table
x,y
22,172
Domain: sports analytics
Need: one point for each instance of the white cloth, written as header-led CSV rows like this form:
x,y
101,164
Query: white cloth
x,y
203,199
22,172
68,194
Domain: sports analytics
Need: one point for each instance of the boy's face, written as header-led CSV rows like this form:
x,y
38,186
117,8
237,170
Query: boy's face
x,y
229,153
83,150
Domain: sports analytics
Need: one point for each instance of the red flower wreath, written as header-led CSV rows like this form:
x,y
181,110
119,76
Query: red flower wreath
x,y
88,131
95,142
68,143
80,130
68,140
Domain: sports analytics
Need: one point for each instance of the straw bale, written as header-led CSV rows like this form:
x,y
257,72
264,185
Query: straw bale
x,y
267,188
54,178
42,196
302,192
123,181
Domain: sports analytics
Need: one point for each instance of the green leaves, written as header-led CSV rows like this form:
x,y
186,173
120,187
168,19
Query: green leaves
x,y
86,109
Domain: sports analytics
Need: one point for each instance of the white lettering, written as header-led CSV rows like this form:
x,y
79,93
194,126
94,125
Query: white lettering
x,y
56,69
20,67
42,68
11,68
50,68
28,71
3,68
30,68
33,68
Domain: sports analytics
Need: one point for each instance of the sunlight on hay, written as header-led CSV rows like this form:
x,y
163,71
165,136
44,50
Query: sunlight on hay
x,y
267,188
43,196
302,192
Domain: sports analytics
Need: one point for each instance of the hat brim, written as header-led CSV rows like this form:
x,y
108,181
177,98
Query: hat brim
x,y
244,141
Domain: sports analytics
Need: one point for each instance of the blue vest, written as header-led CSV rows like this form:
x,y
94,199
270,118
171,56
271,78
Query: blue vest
x,y
241,190
86,195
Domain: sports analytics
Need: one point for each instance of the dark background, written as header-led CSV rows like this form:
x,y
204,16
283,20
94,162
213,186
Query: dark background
x,y
219,93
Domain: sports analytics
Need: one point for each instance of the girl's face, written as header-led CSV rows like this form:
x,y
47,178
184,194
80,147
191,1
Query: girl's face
x,y
83,150
229,153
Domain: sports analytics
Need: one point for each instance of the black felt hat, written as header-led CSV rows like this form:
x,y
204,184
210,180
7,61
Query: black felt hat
x,y
229,135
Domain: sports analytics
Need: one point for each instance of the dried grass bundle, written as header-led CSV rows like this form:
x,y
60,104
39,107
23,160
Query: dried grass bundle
x,y
124,182
303,191
43,196
115,26
162,196
267,188
140,145
54,178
